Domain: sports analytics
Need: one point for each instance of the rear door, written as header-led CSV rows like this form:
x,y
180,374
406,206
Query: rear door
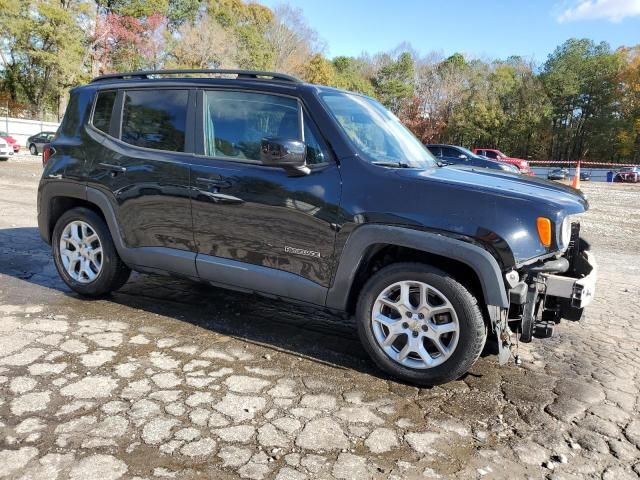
x,y
256,227
143,168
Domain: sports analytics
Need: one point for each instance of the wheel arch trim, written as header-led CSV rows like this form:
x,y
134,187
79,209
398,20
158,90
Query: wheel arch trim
x,y
478,259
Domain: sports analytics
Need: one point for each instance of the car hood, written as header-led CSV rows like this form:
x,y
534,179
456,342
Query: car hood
x,y
505,184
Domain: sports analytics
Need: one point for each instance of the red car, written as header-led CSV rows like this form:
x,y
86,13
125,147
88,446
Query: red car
x,y
494,154
628,174
11,141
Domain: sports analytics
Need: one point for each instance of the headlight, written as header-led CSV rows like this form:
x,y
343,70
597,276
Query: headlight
x,y
565,231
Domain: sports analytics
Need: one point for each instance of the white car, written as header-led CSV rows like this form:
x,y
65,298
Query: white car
x,y
6,150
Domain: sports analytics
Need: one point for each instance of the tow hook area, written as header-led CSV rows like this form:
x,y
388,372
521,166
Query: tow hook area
x,y
550,291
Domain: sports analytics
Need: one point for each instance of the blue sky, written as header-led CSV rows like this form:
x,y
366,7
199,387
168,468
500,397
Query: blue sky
x,y
480,28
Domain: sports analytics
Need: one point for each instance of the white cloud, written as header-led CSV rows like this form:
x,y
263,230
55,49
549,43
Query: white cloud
x,y
612,10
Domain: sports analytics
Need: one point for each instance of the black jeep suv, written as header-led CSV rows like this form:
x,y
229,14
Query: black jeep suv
x,y
260,182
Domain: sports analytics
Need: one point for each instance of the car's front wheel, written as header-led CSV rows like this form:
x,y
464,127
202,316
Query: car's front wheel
x,y
84,254
420,324
33,149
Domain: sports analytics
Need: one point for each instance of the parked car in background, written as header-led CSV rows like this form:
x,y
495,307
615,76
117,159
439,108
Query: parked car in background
x,y
564,174
497,155
11,141
627,174
6,150
460,156
558,174
37,142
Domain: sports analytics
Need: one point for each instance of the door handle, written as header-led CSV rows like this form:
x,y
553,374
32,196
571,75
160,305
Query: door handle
x,y
214,182
216,197
113,168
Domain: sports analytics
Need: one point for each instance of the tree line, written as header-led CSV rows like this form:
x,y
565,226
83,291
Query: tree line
x,y
583,102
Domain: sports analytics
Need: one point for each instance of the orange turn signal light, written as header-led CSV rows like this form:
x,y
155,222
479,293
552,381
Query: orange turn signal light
x,y
544,231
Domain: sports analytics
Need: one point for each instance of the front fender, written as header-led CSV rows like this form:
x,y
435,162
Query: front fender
x,y
482,262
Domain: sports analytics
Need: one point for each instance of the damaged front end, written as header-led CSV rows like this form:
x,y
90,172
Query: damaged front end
x,y
543,293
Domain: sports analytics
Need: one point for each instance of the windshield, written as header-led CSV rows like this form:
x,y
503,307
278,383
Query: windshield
x,y
377,133
467,152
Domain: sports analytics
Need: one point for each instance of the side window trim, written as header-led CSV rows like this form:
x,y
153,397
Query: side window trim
x,y
200,140
115,128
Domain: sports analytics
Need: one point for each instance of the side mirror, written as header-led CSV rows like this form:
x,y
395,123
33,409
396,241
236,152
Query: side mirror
x,y
462,156
285,153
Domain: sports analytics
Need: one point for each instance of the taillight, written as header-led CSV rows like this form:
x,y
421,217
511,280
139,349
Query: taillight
x,y
47,153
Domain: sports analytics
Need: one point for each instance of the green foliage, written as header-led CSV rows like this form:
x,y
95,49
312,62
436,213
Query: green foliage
x,y
42,50
319,70
580,78
394,82
350,75
135,8
248,23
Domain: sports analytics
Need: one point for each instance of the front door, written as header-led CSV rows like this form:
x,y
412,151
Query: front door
x,y
254,226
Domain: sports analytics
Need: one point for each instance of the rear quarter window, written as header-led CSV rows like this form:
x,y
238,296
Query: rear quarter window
x,y
103,110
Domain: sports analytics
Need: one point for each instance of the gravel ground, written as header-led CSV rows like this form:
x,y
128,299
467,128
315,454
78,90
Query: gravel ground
x,y
171,379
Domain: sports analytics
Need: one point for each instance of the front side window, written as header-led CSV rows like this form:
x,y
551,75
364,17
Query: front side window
x,y
375,132
155,119
103,110
236,122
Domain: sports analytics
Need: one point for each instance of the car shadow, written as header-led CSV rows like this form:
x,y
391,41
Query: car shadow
x,y
301,330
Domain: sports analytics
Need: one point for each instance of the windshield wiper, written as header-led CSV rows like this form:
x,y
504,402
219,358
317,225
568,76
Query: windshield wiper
x,y
392,164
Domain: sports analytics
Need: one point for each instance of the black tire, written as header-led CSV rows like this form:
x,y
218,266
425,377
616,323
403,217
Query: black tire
x,y
113,274
33,149
472,335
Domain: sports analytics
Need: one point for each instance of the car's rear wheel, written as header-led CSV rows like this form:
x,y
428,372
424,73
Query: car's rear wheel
x,y
84,254
33,149
419,324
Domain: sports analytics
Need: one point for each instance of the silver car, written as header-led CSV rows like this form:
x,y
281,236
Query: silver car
x,y
6,150
37,142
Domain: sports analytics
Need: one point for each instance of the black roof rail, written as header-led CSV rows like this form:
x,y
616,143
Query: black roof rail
x,y
247,74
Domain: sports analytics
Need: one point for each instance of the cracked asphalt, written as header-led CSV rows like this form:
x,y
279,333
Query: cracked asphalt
x,y
172,379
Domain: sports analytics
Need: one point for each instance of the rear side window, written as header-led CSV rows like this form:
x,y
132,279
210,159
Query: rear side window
x,y
155,119
104,109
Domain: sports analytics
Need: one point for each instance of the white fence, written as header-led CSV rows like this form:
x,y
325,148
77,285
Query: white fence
x,y
22,129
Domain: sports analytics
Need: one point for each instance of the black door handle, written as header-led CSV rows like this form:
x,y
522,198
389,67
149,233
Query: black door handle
x,y
214,182
113,168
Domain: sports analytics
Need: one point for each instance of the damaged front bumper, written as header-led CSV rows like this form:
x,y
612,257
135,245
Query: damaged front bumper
x,y
545,292
551,290
580,290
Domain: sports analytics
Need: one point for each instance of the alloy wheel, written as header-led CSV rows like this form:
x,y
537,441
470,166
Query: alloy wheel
x,y
415,324
81,251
